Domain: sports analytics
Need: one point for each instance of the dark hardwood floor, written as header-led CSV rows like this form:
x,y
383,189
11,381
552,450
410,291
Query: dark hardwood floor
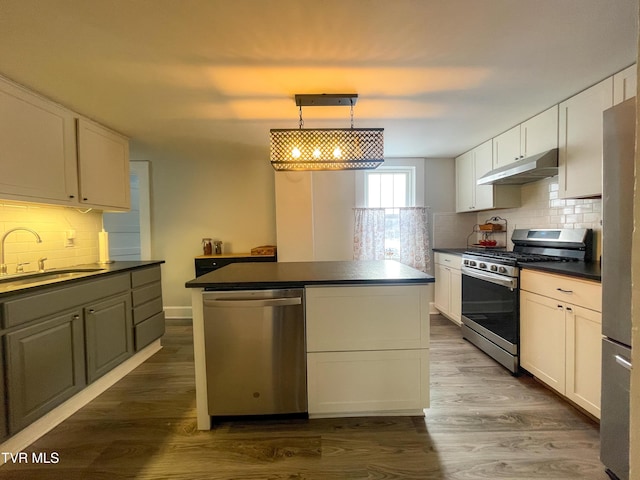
x,y
483,424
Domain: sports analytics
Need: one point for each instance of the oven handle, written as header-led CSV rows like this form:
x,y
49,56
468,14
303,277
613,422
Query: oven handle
x,y
508,282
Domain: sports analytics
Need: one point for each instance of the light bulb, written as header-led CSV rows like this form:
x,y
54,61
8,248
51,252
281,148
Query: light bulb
x,y
337,153
316,153
295,153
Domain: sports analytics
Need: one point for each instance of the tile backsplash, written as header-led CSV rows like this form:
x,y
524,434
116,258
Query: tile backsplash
x,y
451,230
541,208
54,225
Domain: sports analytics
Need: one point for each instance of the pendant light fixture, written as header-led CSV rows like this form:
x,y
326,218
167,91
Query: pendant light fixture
x,y
326,148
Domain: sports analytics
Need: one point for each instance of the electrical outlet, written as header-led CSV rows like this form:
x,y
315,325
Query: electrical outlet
x,y
70,238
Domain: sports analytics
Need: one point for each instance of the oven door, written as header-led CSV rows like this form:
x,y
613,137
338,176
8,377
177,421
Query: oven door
x,y
490,307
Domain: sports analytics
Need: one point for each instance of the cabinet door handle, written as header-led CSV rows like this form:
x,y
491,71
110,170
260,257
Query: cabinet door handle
x,y
564,291
560,307
447,260
91,310
72,196
76,317
569,309
620,360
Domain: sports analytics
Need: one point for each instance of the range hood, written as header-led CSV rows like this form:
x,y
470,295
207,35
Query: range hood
x,y
530,169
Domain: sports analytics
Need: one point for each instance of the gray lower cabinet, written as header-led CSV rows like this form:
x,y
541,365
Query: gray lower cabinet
x,y
45,366
146,296
4,431
56,340
109,336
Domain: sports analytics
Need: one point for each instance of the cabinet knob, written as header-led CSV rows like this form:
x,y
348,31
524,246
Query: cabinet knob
x,y
85,199
91,310
569,309
76,317
72,196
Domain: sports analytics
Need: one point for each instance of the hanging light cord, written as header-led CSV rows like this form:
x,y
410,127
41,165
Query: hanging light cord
x,y
301,122
351,113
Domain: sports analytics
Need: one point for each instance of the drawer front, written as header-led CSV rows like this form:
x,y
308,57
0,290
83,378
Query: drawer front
x,y
206,265
361,382
146,310
30,307
448,259
565,289
144,276
367,317
146,294
149,330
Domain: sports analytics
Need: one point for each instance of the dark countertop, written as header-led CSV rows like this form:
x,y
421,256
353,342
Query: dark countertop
x,y
454,251
460,251
8,288
589,271
244,276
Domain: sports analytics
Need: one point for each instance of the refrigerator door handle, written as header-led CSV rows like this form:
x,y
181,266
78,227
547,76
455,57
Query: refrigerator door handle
x,y
620,360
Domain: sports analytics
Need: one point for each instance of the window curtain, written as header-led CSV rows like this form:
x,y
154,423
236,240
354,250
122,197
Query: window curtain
x,y
411,227
414,238
368,235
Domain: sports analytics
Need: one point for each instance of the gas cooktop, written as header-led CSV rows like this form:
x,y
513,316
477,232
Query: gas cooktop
x,y
518,257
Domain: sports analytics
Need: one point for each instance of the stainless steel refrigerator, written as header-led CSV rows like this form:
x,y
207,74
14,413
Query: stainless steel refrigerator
x,y
618,191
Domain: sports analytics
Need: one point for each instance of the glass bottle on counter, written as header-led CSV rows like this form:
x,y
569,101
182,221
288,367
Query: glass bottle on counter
x,y
207,246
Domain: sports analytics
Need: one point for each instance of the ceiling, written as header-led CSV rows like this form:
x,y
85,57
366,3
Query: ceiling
x,y
207,79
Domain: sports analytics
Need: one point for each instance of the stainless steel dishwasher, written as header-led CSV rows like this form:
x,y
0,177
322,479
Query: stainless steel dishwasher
x,y
255,352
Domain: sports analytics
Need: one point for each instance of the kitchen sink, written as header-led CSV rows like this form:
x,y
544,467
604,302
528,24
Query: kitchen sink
x,y
38,278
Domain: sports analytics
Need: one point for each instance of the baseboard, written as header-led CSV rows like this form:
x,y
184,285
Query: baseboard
x,y
178,312
432,309
37,429
179,321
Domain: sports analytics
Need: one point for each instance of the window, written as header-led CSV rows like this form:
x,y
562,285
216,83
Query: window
x,y
390,188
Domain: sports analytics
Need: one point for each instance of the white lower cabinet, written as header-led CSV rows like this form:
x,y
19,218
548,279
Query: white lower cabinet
x,y
560,341
542,339
368,381
367,350
448,286
584,358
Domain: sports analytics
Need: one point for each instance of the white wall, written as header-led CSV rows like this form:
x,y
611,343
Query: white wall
x,y
315,209
634,449
227,199
294,216
333,201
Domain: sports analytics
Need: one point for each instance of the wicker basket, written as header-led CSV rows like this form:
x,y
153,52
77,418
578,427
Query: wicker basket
x,y
490,227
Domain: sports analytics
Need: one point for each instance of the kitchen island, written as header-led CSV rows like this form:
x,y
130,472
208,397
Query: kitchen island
x,y
367,333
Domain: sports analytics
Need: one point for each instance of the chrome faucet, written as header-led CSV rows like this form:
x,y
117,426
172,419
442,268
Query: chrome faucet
x,y
3,266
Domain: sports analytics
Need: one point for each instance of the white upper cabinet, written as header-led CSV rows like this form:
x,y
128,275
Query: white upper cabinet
x,y
465,182
45,159
506,147
536,135
37,148
103,164
625,84
470,196
540,133
483,159
580,141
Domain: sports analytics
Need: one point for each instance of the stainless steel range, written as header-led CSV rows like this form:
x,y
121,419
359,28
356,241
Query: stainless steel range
x,y
490,286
